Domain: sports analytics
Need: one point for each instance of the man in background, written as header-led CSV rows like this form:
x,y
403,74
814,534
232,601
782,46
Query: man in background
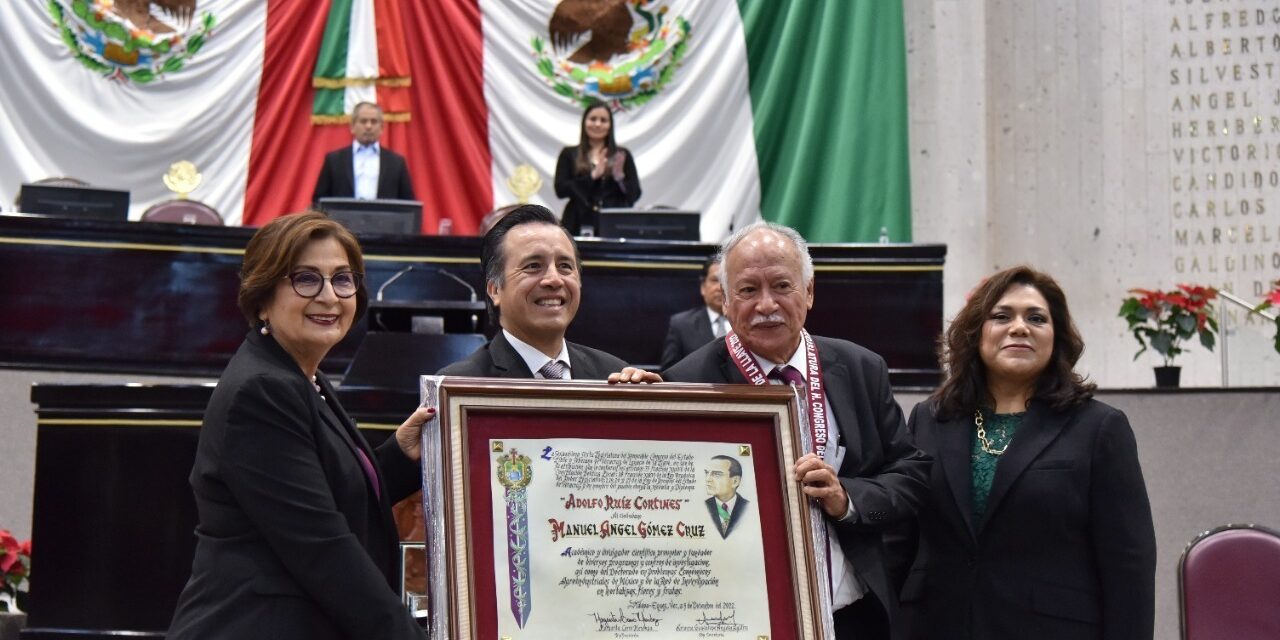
x,y
364,169
695,327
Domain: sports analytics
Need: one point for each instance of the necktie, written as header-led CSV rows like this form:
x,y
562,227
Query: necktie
x,y
717,327
553,370
788,375
724,516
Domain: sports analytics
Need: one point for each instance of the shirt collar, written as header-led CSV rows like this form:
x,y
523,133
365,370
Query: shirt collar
x,y
356,147
798,361
713,316
535,359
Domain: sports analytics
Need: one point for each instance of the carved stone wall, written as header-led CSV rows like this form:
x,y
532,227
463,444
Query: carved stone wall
x,y
1114,144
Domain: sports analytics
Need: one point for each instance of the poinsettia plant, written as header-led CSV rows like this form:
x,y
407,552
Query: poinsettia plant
x,y
1272,301
1162,320
15,567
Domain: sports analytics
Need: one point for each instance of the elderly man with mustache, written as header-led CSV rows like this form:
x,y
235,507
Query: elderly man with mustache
x,y
865,471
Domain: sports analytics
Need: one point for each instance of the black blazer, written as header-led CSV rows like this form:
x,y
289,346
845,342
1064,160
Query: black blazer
x,y
291,541
1066,548
588,196
337,176
498,359
739,508
686,331
883,472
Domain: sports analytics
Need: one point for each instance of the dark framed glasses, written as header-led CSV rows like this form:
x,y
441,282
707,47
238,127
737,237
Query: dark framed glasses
x,y
309,284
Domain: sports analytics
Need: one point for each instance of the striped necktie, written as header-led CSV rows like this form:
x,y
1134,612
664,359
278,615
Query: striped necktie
x,y
554,370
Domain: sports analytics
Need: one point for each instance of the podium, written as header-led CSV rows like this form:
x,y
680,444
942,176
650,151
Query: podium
x,y
394,360
409,338
427,316
650,224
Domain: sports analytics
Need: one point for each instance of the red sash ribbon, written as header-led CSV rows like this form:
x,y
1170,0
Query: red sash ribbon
x,y
815,390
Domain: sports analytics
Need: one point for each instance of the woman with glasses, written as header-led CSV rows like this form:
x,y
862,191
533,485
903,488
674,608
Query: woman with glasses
x,y
295,536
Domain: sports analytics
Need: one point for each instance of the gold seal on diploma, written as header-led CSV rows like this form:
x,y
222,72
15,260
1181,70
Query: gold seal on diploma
x,y
524,182
182,178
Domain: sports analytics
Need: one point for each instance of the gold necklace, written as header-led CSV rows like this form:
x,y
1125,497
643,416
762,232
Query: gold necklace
x,y
982,436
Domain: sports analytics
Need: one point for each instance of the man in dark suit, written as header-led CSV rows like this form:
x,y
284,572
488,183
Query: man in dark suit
x,y
695,327
364,169
724,476
531,269
869,475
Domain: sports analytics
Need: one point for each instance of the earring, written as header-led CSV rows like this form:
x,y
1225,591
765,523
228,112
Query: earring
x,y
266,328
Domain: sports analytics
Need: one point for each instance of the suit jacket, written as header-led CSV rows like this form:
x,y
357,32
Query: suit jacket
x,y
292,541
587,195
498,359
883,472
739,508
687,331
1066,548
337,176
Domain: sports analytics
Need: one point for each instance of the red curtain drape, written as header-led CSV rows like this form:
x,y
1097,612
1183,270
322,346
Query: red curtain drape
x,y
446,140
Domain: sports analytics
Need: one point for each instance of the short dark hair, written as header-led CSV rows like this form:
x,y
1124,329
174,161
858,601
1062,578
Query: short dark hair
x,y
273,250
735,467
492,257
959,348
711,260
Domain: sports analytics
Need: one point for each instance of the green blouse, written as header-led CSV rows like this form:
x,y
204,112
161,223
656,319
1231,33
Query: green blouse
x,y
1000,428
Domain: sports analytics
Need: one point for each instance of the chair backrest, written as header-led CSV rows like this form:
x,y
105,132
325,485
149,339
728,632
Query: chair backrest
x,y
1229,584
182,212
494,216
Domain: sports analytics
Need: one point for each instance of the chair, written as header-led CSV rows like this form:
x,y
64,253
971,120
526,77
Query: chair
x,y
1229,584
182,212
494,216
56,181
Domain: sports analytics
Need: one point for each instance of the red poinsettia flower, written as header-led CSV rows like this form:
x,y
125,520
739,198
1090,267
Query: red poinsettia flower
x,y
9,550
1163,320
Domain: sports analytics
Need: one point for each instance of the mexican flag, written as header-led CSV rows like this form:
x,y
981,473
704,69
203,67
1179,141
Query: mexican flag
x,y
794,111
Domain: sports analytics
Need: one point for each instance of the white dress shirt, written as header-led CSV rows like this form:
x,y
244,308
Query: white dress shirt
x,y
535,359
366,162
717,317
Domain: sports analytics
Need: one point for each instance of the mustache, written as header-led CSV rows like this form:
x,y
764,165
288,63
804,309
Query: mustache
x,y
759,319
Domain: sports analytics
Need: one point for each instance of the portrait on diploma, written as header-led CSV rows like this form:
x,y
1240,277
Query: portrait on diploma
x,y
588,510
726,504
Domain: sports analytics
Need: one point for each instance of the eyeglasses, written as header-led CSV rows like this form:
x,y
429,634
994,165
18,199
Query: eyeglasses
x,y
309,284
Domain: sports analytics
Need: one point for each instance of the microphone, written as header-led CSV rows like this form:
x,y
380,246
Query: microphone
x,y
455,278
393,278
475,321
378,296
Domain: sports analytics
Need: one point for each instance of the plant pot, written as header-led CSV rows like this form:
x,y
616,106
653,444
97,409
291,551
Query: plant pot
x,y
1168,377
11,624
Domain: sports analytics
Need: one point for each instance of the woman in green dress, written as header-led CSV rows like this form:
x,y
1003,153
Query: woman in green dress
x,y
1038,523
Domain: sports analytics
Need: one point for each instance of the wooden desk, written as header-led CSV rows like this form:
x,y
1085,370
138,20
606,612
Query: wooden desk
x,y
140,297
114,517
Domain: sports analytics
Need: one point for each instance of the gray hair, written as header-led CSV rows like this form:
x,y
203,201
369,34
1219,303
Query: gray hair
x,y
797,241
361,105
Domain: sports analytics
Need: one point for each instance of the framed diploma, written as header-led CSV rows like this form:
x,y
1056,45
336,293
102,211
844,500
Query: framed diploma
x,y
585,510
